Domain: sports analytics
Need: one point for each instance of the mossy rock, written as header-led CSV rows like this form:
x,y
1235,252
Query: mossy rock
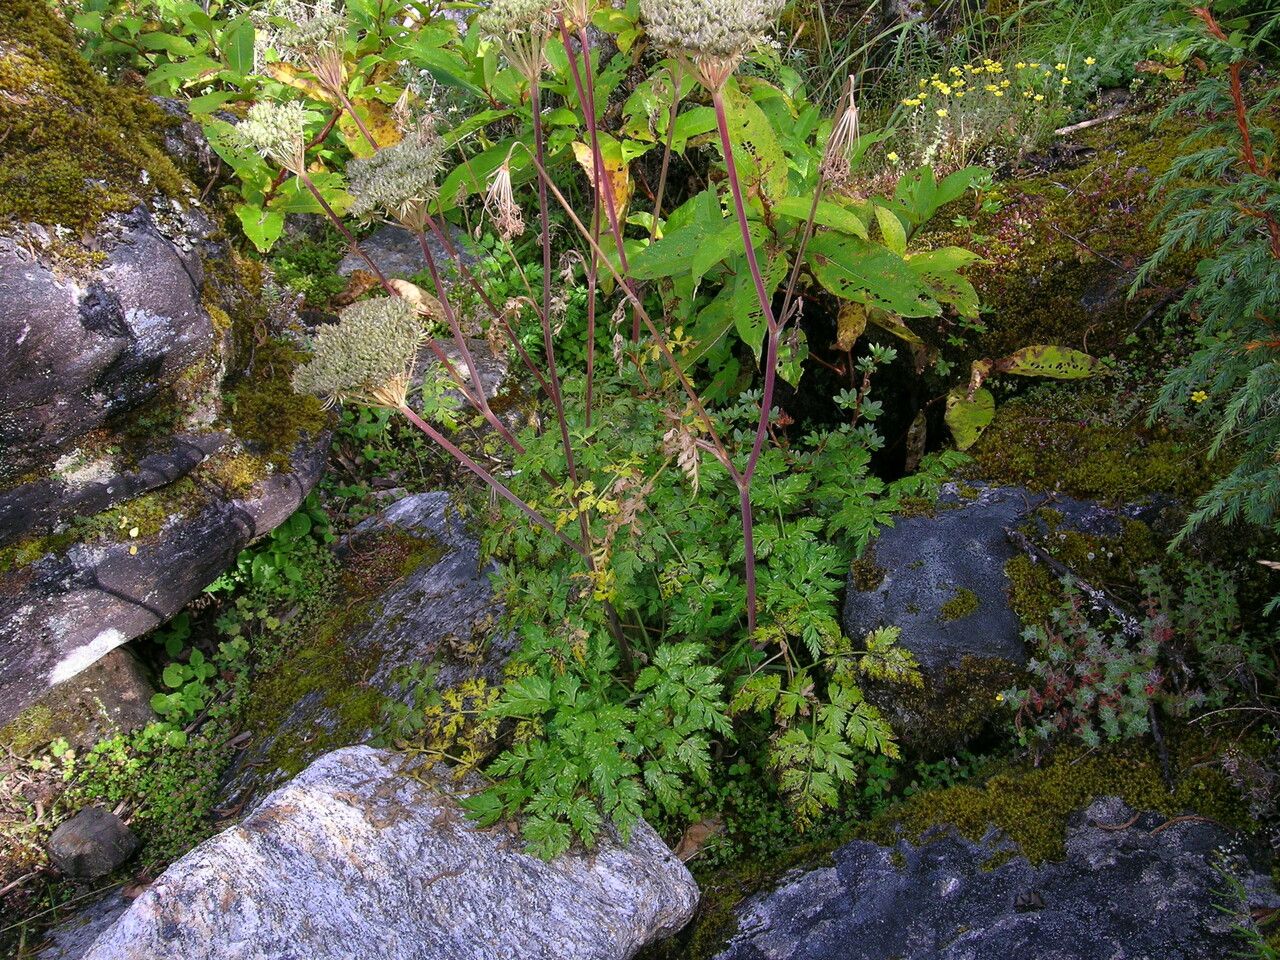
x,y
75,148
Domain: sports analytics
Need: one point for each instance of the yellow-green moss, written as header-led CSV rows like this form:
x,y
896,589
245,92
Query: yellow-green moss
x,y
1033,805
74,148
1027,445
964,603
30,729
866,573
235,473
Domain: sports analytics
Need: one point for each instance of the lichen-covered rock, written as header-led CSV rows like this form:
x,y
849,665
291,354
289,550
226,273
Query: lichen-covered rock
x,y
92,843
1131,887
356,859
111,697
415,592
129,476
398,253
940,577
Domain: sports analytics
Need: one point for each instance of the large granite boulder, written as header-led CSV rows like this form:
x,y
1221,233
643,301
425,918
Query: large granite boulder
x,y
1131,888
365,855
147,428
414,592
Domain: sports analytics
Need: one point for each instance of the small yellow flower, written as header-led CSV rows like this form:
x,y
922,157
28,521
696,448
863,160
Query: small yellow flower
x,y
999,698
941,113
991,88
1004,84
959,94
1089,61
1059,67
891,157
1066,81
1199,397
998,93
133,549
1039,98
1020,65
1034,66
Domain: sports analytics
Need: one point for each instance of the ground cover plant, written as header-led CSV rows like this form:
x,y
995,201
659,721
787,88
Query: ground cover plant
x,y
741,347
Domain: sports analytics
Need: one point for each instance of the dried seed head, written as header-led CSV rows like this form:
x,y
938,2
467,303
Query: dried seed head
x,y
837,159
275,130
367,356
399,180
714,34
500,204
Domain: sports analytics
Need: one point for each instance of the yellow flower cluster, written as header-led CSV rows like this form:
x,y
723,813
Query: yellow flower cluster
x,y
988,76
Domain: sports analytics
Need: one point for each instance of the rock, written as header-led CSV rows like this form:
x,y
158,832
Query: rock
x,y
81,351
329,693
92,843
353,859
128,322
1121,894
112,696
63,612
940,578
397,253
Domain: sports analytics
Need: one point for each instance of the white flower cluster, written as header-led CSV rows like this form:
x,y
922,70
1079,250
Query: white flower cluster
x,y
506,19
296,30
367,356
723,29
275,130
398,180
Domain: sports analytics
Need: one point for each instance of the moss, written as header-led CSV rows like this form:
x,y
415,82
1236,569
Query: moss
x,y
74,147
327,670
866,573
30,729
1029,445
964,603
1033,805
1033,590
235,473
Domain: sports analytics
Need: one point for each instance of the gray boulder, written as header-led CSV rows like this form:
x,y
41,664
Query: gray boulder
x,y
941,579
91,844
112,696
355,858
61,613
1154,890
329,692
398,253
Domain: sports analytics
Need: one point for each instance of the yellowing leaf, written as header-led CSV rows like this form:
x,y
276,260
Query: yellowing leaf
x,y
422,301
968,418
850,324
296,78
615,168
377,118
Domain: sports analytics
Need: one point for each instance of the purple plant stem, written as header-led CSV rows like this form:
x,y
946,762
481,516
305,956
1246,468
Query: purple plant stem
x,y
347,234
495,484
770,360
482,402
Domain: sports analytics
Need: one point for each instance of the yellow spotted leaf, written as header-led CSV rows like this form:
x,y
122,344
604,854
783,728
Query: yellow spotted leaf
x,y
377,118
850,324
614,167
298,79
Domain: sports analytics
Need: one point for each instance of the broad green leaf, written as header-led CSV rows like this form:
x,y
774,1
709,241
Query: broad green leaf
x,y
869,274
828,214
181,71
755,147
895,235
262,227
237,45
968,418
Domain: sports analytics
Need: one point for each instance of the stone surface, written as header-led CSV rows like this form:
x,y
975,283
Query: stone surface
x,y
112,696
80,350
63,612
441,612
353,860
397,253
92,843
1131,894
956,555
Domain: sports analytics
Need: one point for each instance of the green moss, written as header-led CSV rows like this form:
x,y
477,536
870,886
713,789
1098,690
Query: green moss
x,y
324,668
1029,445
74,148
1033,805
30,729
964,603
1033,590
866,573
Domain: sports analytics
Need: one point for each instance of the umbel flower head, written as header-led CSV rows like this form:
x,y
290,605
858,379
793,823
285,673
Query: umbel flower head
x,y
399,180
275,130
367,356
837,159
521,26
309,34
713,34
